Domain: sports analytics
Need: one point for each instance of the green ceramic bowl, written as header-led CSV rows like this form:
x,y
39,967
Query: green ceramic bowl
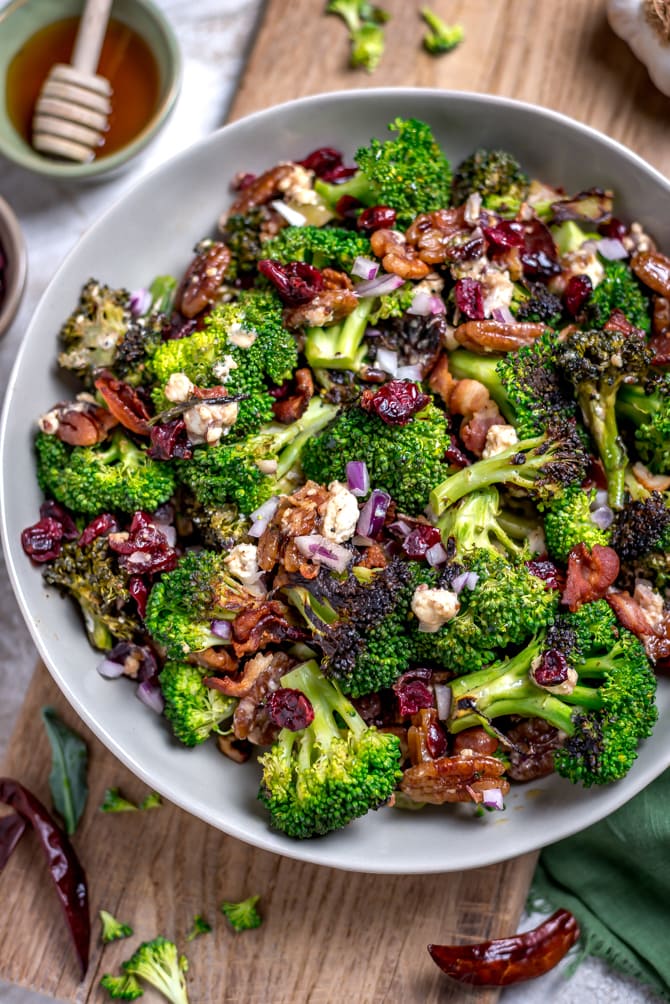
x,y
22,18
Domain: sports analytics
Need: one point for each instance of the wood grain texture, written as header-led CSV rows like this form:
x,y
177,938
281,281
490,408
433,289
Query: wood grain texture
x,y
327,936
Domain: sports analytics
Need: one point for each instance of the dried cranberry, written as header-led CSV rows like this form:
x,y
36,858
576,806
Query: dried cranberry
x,y
105,523
376,218
538,254
42,541
347,206
168,440
178,327
505,234
54,510
396,402
577,292
242,180
139,591
413,691
613,228
465,246
289,709
280,392
547,571
296,282
455,456
469,298
553,669
322,160
145,548
339,174
420,540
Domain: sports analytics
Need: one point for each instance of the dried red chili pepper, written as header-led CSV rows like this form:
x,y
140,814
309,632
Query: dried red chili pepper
x,y
505,961
66,871
124,403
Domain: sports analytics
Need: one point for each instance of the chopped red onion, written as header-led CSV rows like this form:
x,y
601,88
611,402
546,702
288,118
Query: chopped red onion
x,y
437,305
436,555
387,360
110,669
600,498
422,303
379,286
365,268
466,580
442,700
373,514
611,248
324,552
472,580
493,798
292,216
409,373
400,527
267,510
503,314
358,479
602,517
222,629
140,301
149,692
258,528
360,541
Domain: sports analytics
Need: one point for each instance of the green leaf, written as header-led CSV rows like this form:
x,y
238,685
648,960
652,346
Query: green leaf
x,y
69,763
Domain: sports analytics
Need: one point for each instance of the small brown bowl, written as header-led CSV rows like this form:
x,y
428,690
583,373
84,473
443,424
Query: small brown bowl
x,y
13,249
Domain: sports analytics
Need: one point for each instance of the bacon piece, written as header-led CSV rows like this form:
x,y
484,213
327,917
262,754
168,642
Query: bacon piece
x,y
590,574
262,625
291,408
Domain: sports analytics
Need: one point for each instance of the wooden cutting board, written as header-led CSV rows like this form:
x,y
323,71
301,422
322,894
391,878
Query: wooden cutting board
x,y
327,936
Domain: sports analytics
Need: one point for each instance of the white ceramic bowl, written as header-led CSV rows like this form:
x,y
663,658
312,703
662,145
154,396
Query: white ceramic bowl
x,y
151,231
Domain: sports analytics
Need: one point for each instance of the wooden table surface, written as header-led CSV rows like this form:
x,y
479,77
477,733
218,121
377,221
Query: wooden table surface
x,y
327,936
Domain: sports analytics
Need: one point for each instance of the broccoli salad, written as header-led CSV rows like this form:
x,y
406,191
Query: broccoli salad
x,y
376,491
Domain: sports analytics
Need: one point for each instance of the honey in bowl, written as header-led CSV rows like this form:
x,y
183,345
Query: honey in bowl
x,y
126,61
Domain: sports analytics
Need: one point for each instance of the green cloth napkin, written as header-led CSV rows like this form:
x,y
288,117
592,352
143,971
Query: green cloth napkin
x,y
615,878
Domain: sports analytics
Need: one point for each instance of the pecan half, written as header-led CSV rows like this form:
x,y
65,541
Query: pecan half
x,y
397,255
295,516
497,336
430,233
202,280
461,778
327,307
78,423
532,755
262,189
653,269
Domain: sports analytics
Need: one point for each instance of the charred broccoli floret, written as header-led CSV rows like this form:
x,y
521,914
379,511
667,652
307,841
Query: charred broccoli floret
x,y
496,175
568,522
618,290
145,333
598,363
193,710
536,304
243,235
114,476
409,173
94,330
640,527
219,528
322,777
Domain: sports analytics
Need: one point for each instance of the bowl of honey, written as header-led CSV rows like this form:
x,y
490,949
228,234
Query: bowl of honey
x,y
140,57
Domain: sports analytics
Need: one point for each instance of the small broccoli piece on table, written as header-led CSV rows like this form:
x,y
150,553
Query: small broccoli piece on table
x,y
598,363
93,332
618,290
183,604
198,927
93,577
193,710
159,963
604,709
406,461
121,988
496,175
115,476
543,467
332,247
474,524
364,21
237,472
242,916
526,385
112,929
440,37
568,522
245,339
324,776
648,411
409,173
114,801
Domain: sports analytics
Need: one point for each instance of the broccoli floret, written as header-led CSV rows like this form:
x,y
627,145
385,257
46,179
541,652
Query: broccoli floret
x,y
364,21
114,476
185,601
218,528
93,577
543,467
507,605
113,801
145,333
604,715
525,385
642,526
268,353
618,290
159,963
536,304
496,175
242,916
440,37
93,332
409,173
340,346
322,777
473,524
193,710
230,472
332,247
243,236
649,412
568,522
406,461
393,304
598,363
198,927
121,988
112,929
